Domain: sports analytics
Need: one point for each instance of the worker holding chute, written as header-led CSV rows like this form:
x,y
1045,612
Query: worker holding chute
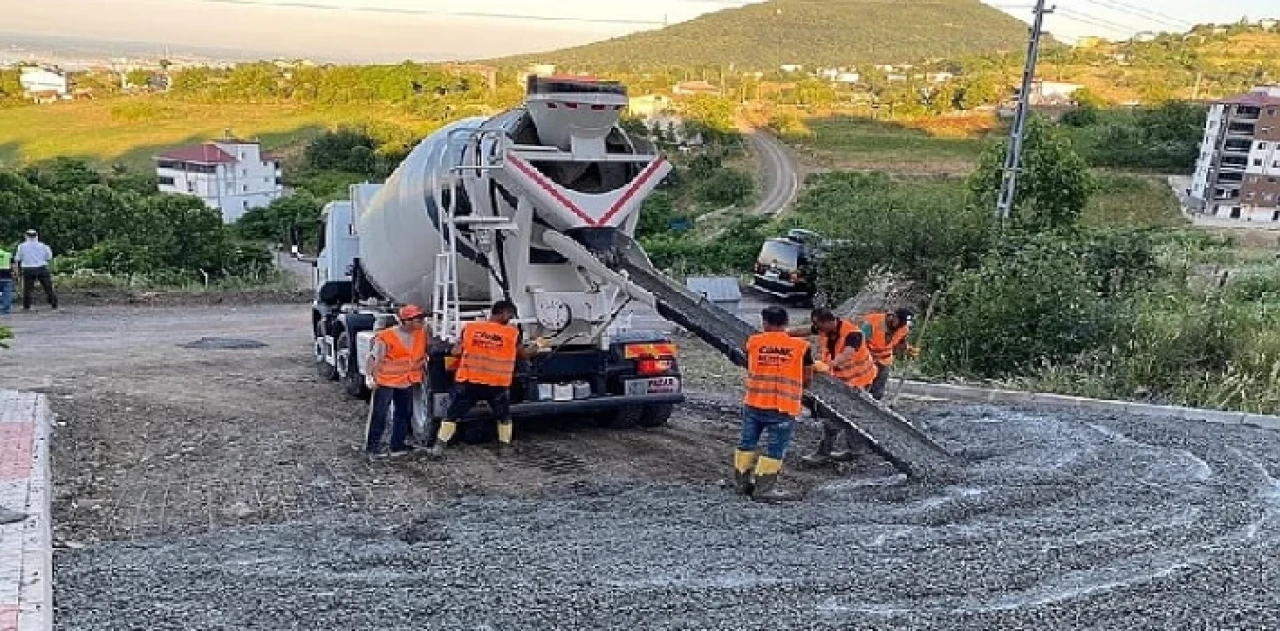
x,y
779,368
845,356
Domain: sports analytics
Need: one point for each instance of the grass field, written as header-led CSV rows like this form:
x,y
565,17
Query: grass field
x,y
1132,200
933,145
130,131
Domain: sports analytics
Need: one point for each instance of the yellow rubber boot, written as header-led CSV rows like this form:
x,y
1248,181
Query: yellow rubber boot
x,y
743,461
765,490
505,430
447,430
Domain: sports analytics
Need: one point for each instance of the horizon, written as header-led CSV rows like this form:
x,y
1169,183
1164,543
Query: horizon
x,y
379,31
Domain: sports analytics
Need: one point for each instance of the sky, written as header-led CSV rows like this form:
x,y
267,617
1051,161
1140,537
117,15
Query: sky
x,y
389,30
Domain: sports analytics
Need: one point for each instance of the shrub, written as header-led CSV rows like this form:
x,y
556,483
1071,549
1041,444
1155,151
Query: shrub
x,y
1018,312
725,187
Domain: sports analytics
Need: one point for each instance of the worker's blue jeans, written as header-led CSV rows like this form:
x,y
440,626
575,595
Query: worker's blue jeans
x,y
383,400
6,295
756,422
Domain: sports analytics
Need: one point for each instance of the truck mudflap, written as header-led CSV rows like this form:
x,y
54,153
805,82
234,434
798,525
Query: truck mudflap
x,y
577,406
894,437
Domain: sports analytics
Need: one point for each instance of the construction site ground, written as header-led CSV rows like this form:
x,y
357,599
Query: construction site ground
x,y
198,486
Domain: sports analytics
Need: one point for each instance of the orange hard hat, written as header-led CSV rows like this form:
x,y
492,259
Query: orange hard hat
x,y
411,312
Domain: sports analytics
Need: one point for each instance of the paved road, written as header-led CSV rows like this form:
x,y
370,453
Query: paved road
x,y
778,170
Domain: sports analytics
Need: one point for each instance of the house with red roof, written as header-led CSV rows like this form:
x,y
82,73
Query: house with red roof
x,y
231,175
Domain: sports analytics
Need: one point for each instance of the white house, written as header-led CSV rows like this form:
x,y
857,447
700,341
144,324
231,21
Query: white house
x,y
230,175
40,81
790,68
649,105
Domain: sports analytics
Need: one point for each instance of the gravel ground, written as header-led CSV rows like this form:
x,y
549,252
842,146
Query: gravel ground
x,y
1063,522
218,489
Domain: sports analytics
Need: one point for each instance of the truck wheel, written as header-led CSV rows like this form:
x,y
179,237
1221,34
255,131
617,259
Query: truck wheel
x,y
656,415
324,369
348,368
623,418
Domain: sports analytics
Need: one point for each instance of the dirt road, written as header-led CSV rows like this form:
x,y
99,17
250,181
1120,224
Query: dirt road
x,y
161,439
779,172
219,489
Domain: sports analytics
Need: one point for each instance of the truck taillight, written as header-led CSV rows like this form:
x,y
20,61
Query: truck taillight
x,y
648,367
650,351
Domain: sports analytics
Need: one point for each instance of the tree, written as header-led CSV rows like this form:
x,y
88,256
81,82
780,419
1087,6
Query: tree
x,y
980,90
138,78
1053,185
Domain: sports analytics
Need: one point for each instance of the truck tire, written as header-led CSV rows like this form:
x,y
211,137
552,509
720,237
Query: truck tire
x,y
324,369
656,415
623,418
349,368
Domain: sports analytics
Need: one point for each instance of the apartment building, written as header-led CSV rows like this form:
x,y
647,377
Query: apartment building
x,y
1238,170
232,176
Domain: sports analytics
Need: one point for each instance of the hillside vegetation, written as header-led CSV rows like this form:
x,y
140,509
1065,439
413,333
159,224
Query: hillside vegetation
x,y
826,32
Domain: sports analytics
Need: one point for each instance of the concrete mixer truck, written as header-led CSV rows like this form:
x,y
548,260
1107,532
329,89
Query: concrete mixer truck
x,y
531,205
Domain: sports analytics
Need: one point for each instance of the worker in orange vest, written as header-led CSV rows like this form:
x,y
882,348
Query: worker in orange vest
x,y
487,353
886,335
845,355
397,365
779,368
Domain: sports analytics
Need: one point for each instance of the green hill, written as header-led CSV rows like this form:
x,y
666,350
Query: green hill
x,y
812,32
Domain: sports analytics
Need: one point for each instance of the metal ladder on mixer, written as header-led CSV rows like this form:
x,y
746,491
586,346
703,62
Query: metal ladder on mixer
x,y
447,316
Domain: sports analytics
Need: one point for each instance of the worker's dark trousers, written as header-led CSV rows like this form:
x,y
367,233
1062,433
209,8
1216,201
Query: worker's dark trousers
x,y
882,381
31,275
383,400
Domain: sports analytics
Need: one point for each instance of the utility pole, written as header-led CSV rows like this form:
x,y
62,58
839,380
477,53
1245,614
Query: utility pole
x,y
1013,159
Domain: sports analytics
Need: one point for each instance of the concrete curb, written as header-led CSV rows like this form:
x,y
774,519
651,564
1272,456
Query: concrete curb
x,y
1020,397
26,547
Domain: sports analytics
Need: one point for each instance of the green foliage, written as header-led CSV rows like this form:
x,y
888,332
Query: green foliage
x,y
766,35
1053,184
344,149
103,223
1020,310
656,215
725,187
917,228
1120,199
409,83
731,252
276,221
1165,138
5,336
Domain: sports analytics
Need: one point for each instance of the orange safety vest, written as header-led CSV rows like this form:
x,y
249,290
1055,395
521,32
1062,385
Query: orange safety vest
x,y
879,340
775,372
402,365
860,372
488,354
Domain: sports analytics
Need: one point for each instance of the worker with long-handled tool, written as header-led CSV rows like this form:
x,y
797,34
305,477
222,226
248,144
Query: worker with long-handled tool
x,y
886,335
846,356
487,353
397,364
779,368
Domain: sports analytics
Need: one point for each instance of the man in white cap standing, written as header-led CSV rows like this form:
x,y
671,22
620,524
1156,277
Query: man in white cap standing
x,y
34,258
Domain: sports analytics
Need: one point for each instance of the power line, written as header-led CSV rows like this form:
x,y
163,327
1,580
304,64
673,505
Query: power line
x,y
1154,14
1083,18
1120,8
